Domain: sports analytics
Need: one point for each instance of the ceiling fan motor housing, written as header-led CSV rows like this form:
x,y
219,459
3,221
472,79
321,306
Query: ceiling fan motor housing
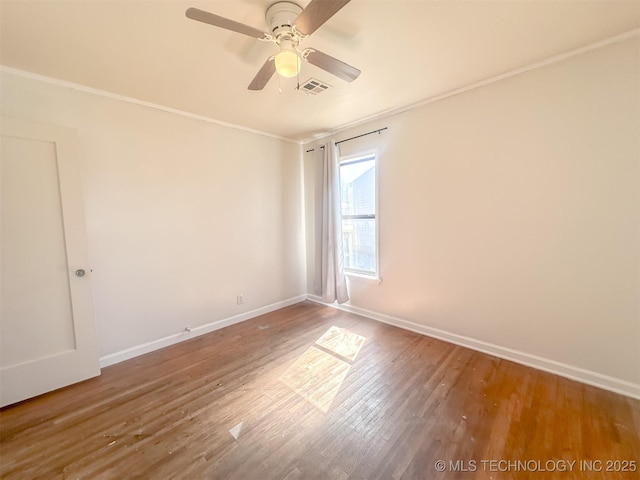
x,y
281,16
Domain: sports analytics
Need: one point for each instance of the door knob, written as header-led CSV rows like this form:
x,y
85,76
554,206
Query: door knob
x,y
80,272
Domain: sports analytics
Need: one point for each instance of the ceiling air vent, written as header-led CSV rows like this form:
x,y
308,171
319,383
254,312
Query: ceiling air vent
x,y
313,86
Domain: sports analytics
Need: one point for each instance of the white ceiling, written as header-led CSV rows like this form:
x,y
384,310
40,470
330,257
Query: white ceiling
x,y
408,51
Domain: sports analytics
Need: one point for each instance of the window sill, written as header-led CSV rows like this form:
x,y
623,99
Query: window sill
x,y
357,277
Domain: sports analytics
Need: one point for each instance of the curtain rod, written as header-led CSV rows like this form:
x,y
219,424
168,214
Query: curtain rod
x,y
363,135
353,138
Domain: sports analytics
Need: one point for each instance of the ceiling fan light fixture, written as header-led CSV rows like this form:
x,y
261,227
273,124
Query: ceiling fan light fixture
x,y
287,63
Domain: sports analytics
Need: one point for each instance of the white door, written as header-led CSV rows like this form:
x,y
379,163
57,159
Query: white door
x,y
47,328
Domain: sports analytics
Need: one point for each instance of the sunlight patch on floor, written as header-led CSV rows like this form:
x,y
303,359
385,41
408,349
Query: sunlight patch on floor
x,y
318,373
316,376
342,342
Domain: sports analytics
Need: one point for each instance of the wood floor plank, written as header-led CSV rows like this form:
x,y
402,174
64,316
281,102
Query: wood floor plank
x,y
250,401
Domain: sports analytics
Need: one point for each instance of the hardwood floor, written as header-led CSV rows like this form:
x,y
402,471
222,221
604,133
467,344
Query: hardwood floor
x,y
388,407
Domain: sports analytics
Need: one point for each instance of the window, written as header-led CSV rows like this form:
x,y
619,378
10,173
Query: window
x,y
358,209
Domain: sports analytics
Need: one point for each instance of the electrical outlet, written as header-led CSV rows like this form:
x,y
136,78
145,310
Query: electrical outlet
x,y
240,299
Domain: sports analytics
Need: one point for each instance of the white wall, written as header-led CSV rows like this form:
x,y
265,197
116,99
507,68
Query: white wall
x,y
181,214
510,214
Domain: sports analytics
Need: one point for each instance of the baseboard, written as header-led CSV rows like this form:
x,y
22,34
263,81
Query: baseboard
x,y
564,370
132,352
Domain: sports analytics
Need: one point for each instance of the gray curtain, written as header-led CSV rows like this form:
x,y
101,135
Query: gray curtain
x,y
333,280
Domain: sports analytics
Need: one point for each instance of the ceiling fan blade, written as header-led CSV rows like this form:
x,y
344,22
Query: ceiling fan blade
x,y
218,21
333,65
264,75
316,13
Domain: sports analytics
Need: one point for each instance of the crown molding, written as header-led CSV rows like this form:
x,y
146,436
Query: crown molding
x,y
511,73
135,101
346,126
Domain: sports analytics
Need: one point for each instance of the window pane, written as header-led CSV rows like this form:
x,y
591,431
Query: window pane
x,y
358,188
359,239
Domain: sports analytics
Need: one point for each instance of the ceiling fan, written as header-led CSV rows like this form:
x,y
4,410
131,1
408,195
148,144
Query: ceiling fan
x,y
289,25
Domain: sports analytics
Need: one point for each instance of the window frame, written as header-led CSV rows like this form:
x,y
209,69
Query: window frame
x,y
365,155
